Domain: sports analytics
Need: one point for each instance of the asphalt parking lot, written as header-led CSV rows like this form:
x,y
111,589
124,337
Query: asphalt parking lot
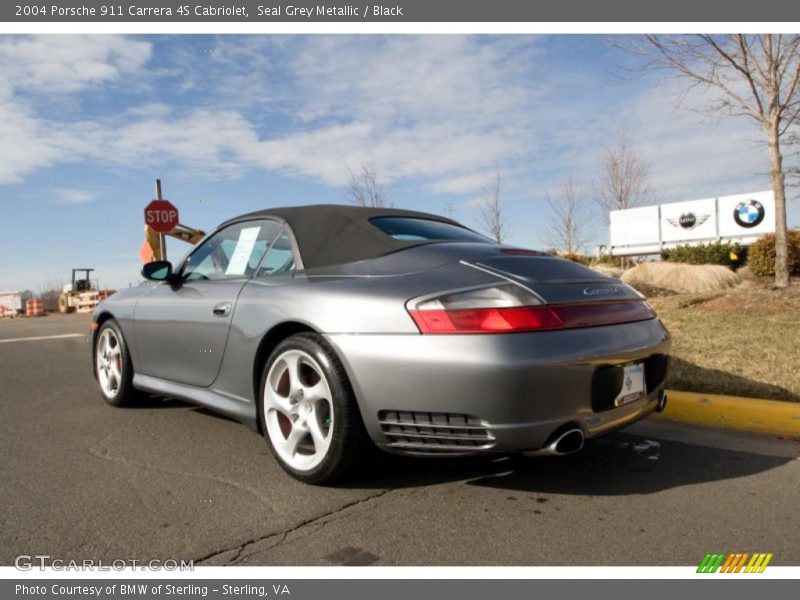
x,y
84,480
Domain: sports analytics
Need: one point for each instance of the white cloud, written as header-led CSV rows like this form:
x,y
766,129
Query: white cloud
x,y
419,106
25,142
464,184
69,63
54,64
73,196
430,107
446,111
398,79
207,142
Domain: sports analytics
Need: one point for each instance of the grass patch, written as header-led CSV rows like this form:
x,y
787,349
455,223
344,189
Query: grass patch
x,y
743,342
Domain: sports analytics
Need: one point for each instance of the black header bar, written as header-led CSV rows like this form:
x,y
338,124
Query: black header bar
x,y
249,11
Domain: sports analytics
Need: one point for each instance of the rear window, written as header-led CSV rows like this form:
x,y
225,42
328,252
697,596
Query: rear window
x,y
414,229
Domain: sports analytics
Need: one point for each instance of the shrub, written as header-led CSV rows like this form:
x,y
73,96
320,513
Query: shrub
x,y
761,254
578,258
681,278
611,261
718,253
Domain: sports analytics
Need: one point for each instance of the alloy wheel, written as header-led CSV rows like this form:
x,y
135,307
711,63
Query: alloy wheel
x,y
109,363
298,410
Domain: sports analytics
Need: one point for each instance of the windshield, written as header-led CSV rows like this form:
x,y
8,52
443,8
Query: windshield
x,y
415,229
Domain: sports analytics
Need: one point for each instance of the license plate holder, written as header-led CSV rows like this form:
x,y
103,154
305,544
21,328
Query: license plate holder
x,y
633,387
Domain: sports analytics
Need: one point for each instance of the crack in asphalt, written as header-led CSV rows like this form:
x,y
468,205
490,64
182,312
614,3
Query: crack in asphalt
x,y
282,535
100,451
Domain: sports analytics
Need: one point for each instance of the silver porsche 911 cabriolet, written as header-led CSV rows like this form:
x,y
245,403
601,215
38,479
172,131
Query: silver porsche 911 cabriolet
x,y
331,329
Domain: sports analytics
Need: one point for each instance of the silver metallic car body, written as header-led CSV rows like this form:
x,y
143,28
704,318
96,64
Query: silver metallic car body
x,y
443,394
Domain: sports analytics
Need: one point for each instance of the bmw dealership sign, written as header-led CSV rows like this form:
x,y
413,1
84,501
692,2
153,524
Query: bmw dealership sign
x,y
649,229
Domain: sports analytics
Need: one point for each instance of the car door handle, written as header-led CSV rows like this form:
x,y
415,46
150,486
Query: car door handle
x,y
222,309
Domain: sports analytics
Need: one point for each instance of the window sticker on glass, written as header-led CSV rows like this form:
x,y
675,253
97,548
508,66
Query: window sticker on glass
x,y
244,248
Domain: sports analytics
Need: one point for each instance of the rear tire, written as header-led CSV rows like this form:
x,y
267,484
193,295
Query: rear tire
x,y
113,367
309,413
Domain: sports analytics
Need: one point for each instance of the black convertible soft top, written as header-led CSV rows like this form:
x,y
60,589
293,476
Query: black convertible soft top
x,y
331,234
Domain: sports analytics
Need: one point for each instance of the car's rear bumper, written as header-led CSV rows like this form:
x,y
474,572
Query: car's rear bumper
x,y
471,394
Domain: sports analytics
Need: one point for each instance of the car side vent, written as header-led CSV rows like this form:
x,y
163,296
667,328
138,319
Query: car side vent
x,y
435,433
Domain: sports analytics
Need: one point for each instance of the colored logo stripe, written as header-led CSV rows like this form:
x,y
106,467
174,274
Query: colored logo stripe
x,y
734,562
741,562
758,563
710,563
727,565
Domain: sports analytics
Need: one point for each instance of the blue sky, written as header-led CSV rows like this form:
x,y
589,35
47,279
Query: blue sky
x,y
236,123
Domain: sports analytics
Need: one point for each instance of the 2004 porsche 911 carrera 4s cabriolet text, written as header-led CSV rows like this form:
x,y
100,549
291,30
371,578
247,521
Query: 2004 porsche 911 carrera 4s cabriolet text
x,y
332,329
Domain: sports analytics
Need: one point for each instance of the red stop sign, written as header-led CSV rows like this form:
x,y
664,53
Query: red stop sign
x,y
161,215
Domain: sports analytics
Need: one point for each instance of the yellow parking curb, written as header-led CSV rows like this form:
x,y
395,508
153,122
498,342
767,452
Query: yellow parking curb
x,y
733,412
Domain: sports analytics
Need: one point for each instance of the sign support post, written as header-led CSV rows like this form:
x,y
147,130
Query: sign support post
x,y
660,236
162,238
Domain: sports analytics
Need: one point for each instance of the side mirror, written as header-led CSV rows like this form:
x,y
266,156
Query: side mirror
x,y
159,270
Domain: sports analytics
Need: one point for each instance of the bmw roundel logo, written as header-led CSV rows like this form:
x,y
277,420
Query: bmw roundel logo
x,y
748,213
687,220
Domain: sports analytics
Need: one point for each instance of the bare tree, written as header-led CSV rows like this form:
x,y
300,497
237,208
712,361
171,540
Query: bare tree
x,y
490,208
365,187
49,292
755,76
625,178
792,141
567,225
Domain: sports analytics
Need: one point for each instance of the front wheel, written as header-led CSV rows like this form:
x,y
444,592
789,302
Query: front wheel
x,y
63,305
113,367
309,414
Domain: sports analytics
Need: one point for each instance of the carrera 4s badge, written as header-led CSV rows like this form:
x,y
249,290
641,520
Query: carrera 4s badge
x,y
601,291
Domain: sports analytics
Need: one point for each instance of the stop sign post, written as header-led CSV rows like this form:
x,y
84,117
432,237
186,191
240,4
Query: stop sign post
x,y
161,216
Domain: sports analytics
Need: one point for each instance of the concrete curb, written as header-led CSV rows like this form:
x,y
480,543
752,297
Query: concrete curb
x,y
732,412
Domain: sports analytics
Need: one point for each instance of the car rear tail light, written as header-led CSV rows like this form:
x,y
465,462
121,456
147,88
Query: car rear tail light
x,y
510,308
606,313
485,320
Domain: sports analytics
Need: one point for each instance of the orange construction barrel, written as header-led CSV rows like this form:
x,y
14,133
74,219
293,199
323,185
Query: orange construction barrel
x,y
34,308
